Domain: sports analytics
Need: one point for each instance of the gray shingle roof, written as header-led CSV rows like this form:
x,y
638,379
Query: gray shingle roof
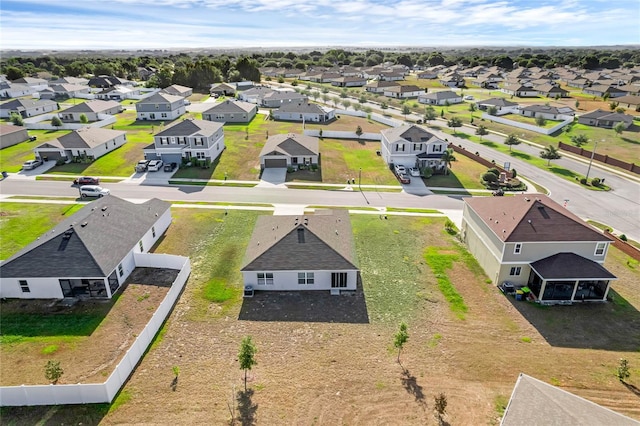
x,y
447,94
192,128
229,106
93,106
300,107
410,133
276,245
20,104
88,137
160,98
291,144
99,241
534,402
498,102
570,266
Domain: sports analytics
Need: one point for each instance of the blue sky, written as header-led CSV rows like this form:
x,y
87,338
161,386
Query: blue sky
x,y
157,24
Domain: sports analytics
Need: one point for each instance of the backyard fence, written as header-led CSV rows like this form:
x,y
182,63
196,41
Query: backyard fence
x,y
92,393
567,120
43,122
634,168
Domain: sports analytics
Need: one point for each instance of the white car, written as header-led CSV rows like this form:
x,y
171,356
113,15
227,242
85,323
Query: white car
x,y
469,98
400,169
31,164
93,191
414,171
155,165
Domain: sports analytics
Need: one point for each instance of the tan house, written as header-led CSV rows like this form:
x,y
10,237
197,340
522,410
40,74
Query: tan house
x,y
530,240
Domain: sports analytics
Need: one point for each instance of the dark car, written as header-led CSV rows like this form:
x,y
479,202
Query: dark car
x,y
403,178
169,167
87,180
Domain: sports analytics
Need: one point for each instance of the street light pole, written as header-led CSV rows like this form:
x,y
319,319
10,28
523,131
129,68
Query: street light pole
x,y
360,179
591,160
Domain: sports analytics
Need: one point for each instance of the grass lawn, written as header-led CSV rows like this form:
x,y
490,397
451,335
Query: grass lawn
x,y
12,157
21,224
464,173
531,121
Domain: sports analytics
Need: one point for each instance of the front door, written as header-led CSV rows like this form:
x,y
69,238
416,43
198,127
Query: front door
x,y
65,285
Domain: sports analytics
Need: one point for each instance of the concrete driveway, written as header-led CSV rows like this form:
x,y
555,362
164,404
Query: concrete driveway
x,y
416,187
271,177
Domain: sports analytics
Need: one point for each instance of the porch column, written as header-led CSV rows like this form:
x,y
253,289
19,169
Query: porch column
x,y
606,293
108,287
575,288
542,288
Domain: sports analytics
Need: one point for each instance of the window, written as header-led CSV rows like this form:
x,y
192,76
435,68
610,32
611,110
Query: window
x,y
199,141
515,270
24,286
305,278
173,139
200,155
600,248
417,147
338,279
163,115
265,278
141,245
120,270
153,231
437,148
400,147
518,248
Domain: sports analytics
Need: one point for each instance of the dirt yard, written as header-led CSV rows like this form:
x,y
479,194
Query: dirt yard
x,y
99,332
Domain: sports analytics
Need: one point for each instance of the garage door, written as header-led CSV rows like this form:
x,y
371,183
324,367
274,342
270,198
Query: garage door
x,y
275,162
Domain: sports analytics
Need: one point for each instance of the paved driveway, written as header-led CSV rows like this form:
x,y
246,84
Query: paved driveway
x,y
275,176
416,187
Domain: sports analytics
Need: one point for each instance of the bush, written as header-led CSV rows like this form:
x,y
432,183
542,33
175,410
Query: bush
x,y
514,173
583,181
494,170
489,177
623,237
595,181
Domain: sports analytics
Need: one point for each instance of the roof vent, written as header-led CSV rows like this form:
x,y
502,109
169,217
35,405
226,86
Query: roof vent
x,y
104,208
300,235
83,224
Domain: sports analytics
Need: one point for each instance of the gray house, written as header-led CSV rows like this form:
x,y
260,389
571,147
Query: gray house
x,y
290,150
607,119
278,98
161,107
89,142
91,109
89,255
11,135
27,107
304,111
178,90
187,140
231,111
446,97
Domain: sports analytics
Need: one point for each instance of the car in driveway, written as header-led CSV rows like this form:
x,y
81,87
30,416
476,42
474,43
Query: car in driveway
x,y
31,164
142,166
403,178
86,180
400,169
155,165
93,191
169,167
413,171
469,98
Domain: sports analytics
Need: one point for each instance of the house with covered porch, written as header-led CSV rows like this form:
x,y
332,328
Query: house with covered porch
x,y
529,240
86,142
412,146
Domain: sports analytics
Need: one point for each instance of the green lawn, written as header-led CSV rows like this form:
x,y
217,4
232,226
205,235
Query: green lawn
x,y
21,224
531,121
12,157
464,173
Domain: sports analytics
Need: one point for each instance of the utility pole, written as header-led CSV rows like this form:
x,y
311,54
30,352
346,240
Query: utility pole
x,y
360,179
591,160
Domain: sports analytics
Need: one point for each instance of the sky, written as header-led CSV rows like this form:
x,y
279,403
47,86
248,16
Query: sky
x,y
164,24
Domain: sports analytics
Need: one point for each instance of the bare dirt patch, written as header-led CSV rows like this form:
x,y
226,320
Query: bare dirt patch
x,y
86,353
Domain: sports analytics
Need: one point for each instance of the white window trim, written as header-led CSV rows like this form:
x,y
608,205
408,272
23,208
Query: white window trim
x,y
515,271
600,247
517,249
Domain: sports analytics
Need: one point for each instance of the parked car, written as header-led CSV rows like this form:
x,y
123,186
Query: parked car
x,y
142,166
469,98
31,164
154,165
93,191
400,169
404,178
413,171
169,167
86,180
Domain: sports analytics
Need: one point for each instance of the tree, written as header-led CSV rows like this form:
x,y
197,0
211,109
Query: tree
x,y
401,338
541,121
429,113
550,153
579,140
577,104
384,105
472,108
405,110
481,131
492,110
16,119
448,158
13,73
55,121
362,99
454,122
246,357
346,103
53,371
623,370
511,140
84,119
613,105
359,131
618,128
441,113
440,405
489,177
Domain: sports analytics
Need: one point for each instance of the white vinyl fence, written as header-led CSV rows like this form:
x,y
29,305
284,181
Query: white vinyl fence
x,y
343,135
567,120
43,122
105,392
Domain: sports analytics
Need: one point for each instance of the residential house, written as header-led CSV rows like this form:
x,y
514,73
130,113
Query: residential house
x,y
276,98
378,86
412,146
530,240
160,106
80,81
547,112
86,142
307,252
427,75
89,255
502,105
304,112
519,89
15,90
403,92
231,111
11,135
118,93
255,94
64,91
106,81
186,140
391,76
446,97
603,89
353,81
580,83
91,109
631,101
534,402
37,83
607,119
551,90
289,150
177,90
452,80
27,107
222,89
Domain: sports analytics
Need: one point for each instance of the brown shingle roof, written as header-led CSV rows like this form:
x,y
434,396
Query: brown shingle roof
x,y
532,217
291,144
306,242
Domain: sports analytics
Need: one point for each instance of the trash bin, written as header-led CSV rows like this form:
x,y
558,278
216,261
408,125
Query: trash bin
x,y
519,294
4,175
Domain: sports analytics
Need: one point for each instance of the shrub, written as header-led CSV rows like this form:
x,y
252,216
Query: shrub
x,y
514,173
583,181
623,237
494,170
595,181
16,119
489,177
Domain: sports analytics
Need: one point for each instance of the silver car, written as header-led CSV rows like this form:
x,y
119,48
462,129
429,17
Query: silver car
x,y
31,164
93,191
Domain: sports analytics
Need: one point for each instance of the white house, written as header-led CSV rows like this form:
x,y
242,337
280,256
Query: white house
x,y
88,255
91,110
403,92
446,97
88,142
304,111
291,253
412,146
